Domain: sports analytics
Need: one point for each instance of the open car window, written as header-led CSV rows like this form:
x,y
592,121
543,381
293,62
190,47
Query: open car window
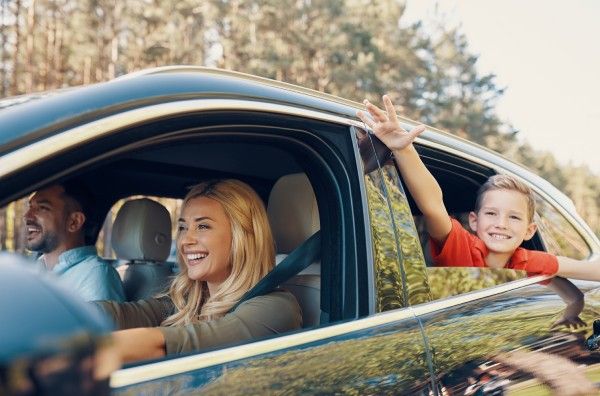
x,y
460,180
162,169
560,237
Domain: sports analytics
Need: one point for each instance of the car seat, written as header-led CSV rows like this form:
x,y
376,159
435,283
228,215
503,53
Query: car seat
x,y
294,217
141,236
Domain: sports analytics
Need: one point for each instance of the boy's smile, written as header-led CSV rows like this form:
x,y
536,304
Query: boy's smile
x,y
502,224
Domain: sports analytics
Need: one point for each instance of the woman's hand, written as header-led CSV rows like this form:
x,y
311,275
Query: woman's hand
x,y
387,127
139,344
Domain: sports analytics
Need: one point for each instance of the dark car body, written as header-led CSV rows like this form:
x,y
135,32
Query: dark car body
x,y
389,322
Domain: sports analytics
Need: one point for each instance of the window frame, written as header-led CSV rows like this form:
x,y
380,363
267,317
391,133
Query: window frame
x,y
337,164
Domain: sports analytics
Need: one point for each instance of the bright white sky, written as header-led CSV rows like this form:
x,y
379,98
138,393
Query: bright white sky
x,y
547,54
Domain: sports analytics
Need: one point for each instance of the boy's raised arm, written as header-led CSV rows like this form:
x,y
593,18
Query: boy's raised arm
x,y
420,182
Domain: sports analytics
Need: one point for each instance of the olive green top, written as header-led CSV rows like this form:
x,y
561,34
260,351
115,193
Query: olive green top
x,y
258,317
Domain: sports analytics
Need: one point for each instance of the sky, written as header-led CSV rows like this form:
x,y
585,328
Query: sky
x,y
547,56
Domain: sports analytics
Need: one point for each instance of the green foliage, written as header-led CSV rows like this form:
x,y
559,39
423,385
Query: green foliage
x,y
351,48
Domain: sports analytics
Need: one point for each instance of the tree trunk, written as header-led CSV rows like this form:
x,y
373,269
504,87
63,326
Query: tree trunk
x,y
30,42
14,88
3,55
45,67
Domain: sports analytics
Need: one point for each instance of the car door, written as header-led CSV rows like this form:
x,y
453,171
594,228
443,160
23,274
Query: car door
x,y
367,342
492,330
380,351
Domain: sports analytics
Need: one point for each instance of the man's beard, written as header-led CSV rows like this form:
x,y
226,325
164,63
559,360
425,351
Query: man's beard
x,y
46,243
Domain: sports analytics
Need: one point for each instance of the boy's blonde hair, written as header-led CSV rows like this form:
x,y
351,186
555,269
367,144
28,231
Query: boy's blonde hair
x,y
506,182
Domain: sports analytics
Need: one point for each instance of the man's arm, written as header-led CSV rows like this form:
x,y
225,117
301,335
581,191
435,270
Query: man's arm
x,y
420,182
579,269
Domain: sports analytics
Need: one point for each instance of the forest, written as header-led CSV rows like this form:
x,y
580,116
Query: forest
x,y
352,48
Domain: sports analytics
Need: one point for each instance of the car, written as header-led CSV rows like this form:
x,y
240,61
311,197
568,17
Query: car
x,y
378,317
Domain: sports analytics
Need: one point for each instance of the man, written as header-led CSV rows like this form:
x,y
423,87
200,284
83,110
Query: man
x,y
57,224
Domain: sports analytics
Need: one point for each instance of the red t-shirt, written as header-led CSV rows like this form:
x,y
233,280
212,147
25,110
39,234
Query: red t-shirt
x,y
463,249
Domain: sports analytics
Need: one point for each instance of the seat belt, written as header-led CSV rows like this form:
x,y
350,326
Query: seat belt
x,y
298,260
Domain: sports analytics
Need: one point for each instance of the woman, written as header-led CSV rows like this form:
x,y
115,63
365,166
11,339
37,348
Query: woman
x,y
225,247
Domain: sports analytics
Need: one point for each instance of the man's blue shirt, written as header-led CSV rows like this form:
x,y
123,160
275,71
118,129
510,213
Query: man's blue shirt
x,y
93,278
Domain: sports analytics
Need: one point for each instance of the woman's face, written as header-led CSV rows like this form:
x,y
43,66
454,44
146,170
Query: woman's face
x,y
204,240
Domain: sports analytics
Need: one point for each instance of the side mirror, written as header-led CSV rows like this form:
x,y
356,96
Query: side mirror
x,y
51,342
593,341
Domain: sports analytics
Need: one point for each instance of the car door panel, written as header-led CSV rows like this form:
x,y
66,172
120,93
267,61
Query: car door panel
x,y
381,354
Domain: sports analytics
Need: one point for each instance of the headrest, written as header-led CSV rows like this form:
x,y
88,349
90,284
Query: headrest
x,y
142,231
293,212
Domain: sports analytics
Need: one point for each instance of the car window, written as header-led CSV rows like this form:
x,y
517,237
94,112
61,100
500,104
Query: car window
x,y
12,236
12,230
413,261
389,284
451,281
459,179
558,234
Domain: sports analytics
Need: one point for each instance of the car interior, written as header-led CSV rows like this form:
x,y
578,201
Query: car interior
x,y
141,235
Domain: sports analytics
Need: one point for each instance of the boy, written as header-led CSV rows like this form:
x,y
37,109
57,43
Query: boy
x,y
503,218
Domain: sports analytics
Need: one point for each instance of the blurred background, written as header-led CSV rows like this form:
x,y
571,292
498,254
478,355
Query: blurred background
x,y
418,51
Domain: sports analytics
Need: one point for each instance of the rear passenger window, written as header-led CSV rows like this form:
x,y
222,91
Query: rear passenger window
x,y
388,277
460,180
558,233
412,260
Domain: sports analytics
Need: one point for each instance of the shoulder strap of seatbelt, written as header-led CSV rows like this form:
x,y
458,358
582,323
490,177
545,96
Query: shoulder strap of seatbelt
x,y
299,259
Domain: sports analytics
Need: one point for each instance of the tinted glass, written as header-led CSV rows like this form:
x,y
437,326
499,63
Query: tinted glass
x,y
413,261
451,281
558,234
388,276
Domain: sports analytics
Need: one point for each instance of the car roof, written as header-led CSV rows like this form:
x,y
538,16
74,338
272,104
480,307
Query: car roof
x,y
29,118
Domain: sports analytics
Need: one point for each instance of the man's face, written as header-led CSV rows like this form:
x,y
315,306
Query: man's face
x,y
502,222
46,220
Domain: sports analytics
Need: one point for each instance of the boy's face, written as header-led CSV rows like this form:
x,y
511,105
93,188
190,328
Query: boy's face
x,y
502,222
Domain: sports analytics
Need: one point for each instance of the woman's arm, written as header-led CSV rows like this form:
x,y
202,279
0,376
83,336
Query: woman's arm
x,y
143,313
139,344
579,269
256,318
259,317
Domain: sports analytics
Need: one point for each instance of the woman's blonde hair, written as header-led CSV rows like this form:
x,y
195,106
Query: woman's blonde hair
x,y
252,254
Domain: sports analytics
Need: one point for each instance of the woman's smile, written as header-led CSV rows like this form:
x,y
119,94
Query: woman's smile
x,y
204,240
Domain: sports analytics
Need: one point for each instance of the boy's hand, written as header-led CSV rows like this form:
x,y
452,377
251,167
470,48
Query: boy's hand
x,y
569,321
387,127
